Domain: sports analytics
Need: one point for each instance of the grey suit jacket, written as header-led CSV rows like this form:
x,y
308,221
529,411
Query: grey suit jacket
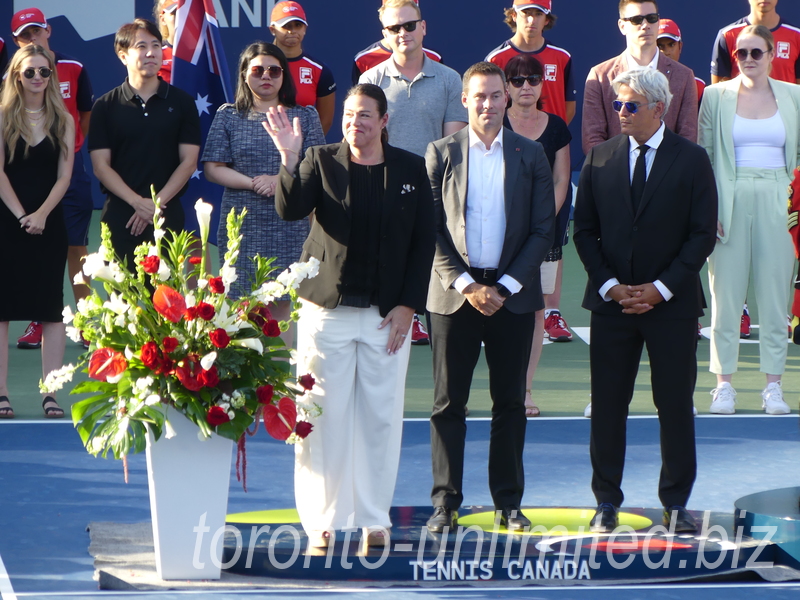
x,y
530,217
599,120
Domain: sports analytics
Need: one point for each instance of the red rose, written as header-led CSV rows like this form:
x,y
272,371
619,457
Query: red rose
x,y
264,394
209,378
303,428
195,260
169,344
106,363
187,373
220,338
259,316
169,303
205,311
307,381
150,355
215,285
217,416
150,264
271,328
167,366
191,313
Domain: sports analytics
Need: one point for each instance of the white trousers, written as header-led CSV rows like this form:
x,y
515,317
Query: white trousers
x,y
758,242
346,469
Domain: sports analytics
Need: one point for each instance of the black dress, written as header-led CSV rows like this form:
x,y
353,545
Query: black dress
x,y
32,266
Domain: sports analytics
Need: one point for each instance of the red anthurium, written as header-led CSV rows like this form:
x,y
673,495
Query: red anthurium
x,y
217,416
150,264
106,363
169,303
187,372
280,420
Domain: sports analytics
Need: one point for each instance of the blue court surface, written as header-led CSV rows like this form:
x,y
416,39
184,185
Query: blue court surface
x,y
51,489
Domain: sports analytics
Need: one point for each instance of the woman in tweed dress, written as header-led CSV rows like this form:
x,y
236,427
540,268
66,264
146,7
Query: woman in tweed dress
x,y
241,156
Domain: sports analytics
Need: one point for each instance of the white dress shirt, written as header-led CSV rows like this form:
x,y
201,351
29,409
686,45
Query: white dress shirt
x,y
632,64
485,210
633,153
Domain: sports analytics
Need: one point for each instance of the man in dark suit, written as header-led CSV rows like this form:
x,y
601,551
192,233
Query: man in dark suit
x,y
494,209
645,221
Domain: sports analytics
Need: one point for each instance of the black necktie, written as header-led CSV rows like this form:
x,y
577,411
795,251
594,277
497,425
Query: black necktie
x,y
639,177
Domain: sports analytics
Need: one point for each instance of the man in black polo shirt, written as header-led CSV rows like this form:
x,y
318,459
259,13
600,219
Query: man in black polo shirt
x,y
144,132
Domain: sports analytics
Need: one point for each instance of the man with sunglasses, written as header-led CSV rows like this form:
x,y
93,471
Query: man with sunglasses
x,y
645,222
424,96
638,22
785,65
529,19
28,26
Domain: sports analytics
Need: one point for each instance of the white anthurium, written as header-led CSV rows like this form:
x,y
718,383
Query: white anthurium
x,y
252,343
129,354
203,211
208,360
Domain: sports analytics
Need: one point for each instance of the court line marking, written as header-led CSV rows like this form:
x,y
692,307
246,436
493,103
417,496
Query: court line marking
x,y
6,589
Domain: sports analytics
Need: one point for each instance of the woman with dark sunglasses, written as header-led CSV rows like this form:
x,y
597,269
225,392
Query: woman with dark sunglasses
x,y
524,76
37,154
750,127
241,156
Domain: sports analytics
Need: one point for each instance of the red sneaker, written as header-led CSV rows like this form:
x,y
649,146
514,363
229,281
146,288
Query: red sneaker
x,y
32,338
419,337
556,328
744,327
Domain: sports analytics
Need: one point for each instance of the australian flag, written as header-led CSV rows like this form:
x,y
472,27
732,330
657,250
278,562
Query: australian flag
x,y
199,69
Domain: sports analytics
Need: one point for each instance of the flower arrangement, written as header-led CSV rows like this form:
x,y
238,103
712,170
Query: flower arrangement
x,y
159,343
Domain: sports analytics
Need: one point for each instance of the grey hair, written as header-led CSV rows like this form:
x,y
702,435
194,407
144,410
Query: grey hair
x,y
650,83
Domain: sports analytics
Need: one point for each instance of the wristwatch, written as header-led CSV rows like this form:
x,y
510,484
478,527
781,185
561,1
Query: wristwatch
x,y
503,291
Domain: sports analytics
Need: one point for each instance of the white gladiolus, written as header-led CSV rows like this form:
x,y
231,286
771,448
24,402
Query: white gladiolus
x,y
288,279
116,304
252,343
190,300
228,274
78,279
152,251
67,314
269,291
74,334
208,360
158,234
163,271
202,284
55,380
93,263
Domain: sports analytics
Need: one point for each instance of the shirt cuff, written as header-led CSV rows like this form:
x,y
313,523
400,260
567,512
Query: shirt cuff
x,y
512,285
463,281
663,290
603,291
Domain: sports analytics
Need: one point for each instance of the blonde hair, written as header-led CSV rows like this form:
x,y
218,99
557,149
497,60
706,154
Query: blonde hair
x,y
399,4
759,31
12,105
158,8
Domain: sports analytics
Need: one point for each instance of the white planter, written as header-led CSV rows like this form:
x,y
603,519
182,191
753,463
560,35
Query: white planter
x,y
188,481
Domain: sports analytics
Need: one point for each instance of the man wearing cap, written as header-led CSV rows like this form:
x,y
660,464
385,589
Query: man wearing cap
x,y
29,26
144,132
670,43
424,96
313,80
638,22
375,54
785,65
529,19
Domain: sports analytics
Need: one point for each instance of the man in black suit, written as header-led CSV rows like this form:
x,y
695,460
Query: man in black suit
x,y
494,210
645,221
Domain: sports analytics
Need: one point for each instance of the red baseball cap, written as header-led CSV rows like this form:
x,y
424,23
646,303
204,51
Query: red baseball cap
x,y
28,17
287,11
170,6
543,5
669,29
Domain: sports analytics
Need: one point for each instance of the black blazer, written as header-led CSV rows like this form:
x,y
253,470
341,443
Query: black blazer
x,y
668,239
322,186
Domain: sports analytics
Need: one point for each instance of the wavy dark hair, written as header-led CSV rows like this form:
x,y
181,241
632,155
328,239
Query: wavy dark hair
x,y
525,65
244,95
370,90
510,19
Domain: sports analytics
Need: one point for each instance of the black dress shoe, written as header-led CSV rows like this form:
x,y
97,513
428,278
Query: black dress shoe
x,y
511,518
605,519
684,522
442,517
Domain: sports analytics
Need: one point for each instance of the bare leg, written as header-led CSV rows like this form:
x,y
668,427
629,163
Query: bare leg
x,y
53,341
554,299
531,410
74,266
4,358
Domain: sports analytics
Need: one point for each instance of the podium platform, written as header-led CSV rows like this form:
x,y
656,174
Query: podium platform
x,y
558,550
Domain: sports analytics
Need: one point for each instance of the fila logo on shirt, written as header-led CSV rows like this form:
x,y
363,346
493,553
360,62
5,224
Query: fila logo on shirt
x,y
550,72
306,75
783,50
66,91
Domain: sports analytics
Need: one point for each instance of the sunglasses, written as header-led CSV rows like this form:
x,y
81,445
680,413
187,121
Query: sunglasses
x,y
30,72
742,53
637,20
408,26
631,107
519,81
273,71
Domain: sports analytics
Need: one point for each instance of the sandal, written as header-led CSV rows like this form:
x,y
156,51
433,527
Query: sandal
x,y
531,410
52,412
375,537
6,412
319,539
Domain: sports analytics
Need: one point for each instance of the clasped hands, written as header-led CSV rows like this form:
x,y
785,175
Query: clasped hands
x,y
484,298
635,299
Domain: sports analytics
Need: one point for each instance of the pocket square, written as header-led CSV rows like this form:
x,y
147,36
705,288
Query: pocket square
x,y
407,188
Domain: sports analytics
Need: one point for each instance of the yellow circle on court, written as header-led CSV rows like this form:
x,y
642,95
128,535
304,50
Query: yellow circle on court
x,y
553,521
281,515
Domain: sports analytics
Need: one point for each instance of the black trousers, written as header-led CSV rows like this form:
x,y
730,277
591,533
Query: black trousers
x,y
456,340
615,352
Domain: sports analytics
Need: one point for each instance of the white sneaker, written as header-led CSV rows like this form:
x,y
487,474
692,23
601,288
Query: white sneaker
x,y
694,410
772,400
724,399
587,412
